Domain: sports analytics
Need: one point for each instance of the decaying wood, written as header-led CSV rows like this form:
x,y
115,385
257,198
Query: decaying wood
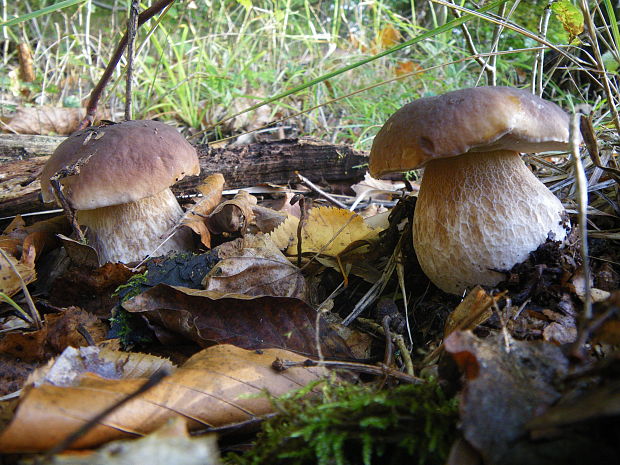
x,y
242,166
20,147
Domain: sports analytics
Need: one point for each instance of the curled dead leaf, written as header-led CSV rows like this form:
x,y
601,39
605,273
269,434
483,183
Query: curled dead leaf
x,y
233,215
254,266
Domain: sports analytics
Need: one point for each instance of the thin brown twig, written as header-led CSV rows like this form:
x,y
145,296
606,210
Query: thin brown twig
x,y
93,102
132,28
397,339
469,41
300,228
282,365
69,212
321,192
387,358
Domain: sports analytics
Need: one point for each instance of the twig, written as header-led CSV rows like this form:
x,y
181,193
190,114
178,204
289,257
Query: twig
x,y
132,27
397,339
153,381
484,64
497,33
387,357
400,273
537,86
376,289
34,314
69,212
582,204
322,193
95,95
282,365
300,225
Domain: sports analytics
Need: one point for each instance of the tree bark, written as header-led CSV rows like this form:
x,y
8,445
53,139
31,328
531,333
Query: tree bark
x,y
242,166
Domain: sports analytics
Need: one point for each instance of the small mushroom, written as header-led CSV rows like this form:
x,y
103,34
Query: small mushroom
x,y
480,210
121,186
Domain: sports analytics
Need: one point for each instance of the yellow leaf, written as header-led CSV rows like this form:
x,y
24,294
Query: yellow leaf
x,y
327,230
389,36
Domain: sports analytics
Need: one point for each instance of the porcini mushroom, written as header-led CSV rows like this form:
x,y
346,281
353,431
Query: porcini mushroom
x,y
480,210
122,190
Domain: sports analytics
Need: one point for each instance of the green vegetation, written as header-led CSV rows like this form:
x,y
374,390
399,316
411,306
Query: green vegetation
x,y
352,424
203,62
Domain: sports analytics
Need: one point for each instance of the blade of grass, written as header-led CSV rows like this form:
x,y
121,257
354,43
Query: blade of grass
x,y
612,22
441,29
42,11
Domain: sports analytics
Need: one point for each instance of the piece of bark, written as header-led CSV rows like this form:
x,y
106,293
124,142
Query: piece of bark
x,y
242,166
24,146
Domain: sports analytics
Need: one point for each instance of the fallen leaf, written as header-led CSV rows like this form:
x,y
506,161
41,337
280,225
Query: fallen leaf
x,y
254,266
44,120
266,219
389,36
23,246
59,331
505,388
194,218
208,318
10,283
218,386
407,67
233,215
91,289
327,230
82,255
169,444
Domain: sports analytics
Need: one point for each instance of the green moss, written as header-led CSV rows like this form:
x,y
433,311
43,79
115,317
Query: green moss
x,y
130,329
134,286
353,424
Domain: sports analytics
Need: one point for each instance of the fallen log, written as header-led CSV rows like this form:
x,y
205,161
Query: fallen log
x,y
242,166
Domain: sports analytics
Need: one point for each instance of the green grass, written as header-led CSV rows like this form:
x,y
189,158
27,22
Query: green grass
x,y
320,64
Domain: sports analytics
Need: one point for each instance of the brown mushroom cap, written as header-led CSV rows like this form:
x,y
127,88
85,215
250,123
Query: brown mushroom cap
x,y
123,163
479,119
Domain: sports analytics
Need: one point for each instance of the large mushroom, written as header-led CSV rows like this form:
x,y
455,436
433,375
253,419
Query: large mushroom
x,y
480,210
121,189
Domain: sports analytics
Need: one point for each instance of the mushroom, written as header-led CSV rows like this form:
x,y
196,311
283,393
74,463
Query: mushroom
x,y
121,187
480,210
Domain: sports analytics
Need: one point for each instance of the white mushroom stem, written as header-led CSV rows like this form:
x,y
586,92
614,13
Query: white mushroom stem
x,y
128,232
481,212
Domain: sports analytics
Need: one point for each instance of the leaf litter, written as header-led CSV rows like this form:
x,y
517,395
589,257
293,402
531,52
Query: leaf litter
x,y
512,344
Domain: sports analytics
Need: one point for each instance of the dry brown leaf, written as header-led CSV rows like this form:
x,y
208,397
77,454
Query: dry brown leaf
x,y
266,219
233,215
194,218
44,120
24,245
90,288
9,280
406,67
218,386
254,266
208,318
507,383
59,331
170,444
